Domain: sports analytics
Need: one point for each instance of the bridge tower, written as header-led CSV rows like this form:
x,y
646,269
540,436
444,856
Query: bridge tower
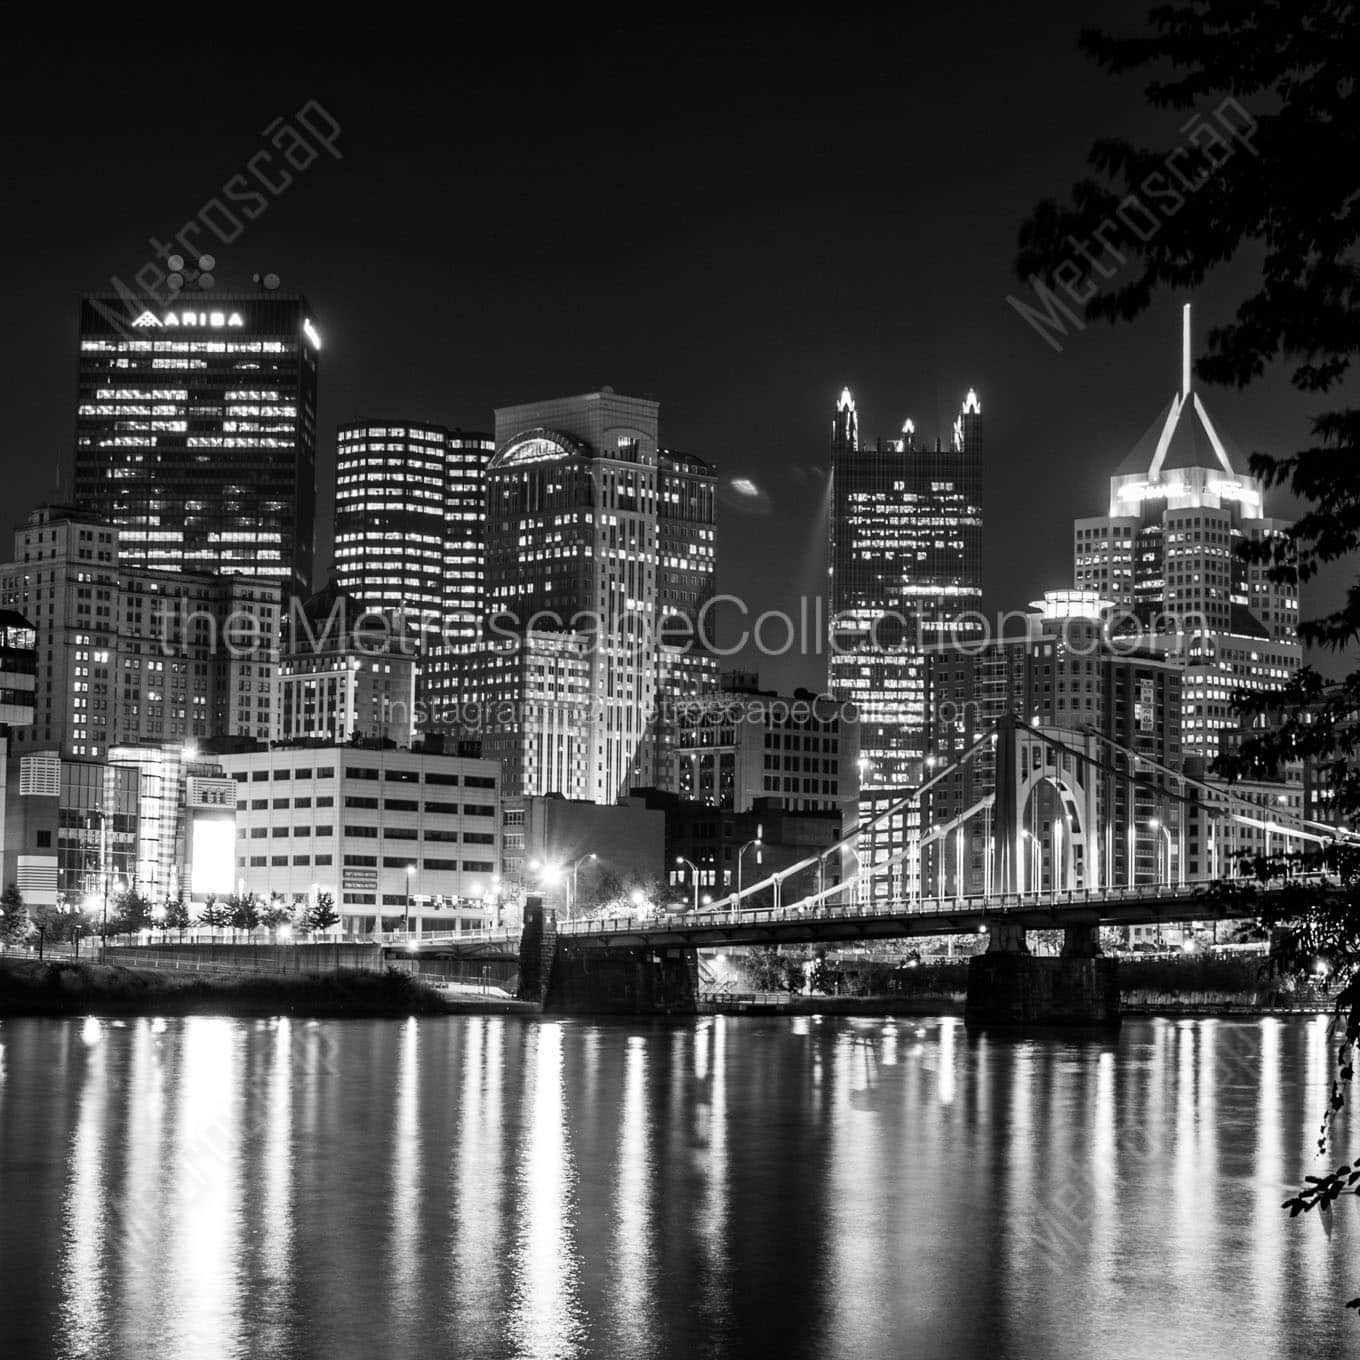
x,y
1030,761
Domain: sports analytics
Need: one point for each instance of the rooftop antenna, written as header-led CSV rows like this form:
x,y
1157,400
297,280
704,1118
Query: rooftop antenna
x,y
1185,350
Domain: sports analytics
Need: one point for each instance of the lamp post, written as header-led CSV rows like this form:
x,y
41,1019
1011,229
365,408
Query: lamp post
x,y
694,876
575,869
410,875
757,842
1155,824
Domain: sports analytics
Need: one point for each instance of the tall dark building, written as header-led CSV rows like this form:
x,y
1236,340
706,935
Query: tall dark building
x,y
196,432
906,575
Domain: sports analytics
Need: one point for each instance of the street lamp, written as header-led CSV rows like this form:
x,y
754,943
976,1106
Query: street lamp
x,y
757,842
694,876
1155,824
410,875
575,869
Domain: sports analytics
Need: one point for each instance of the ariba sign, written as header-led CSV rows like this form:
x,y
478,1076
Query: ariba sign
x,y
186,318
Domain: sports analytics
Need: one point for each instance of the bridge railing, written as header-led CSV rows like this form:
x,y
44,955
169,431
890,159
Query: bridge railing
x,y
980,905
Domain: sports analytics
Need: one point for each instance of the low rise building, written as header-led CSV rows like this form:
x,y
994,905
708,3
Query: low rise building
x,y
711,851
71,829
348,674
578,855
744,744
398,838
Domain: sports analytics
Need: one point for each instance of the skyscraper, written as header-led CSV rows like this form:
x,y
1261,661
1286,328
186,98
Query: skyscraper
x,y
1165,554
196,432
597,543
408,538
906,575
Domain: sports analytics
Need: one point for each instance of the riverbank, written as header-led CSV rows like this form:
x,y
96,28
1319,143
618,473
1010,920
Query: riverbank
x,y
1140,1005
29,987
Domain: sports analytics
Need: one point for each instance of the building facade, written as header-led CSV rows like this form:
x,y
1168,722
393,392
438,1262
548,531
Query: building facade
x,y
1165,554
743,744
1096,694
398,838
905,557
71,829
196,432
130,656
348,673
186,823
713,851
578,856
409,541
599,548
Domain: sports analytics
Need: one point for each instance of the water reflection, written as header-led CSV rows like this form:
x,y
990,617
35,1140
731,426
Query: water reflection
x,y
805,1187
545,1319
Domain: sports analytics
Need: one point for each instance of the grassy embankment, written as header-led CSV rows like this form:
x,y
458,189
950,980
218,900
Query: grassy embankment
x,y
30,987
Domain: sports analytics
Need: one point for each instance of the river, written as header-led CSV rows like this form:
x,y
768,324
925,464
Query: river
x,y
788,1187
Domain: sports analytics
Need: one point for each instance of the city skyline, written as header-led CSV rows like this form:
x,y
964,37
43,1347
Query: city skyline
x,y
744,364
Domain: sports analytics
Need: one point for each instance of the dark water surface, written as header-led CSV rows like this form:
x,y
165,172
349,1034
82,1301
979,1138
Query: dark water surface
x,y
789,1187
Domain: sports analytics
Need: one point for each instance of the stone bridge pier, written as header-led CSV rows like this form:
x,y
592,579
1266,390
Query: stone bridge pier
x,y
1008,987
569,977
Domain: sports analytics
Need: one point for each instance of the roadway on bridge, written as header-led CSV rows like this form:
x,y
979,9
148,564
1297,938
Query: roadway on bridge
x,y
1144,905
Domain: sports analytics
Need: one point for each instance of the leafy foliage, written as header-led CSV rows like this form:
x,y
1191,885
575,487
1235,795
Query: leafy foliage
x,y
214,914
176,913
322,915
275,913
131,912
15,925
243,911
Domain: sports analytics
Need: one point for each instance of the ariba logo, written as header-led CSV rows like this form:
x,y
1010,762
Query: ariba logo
x,y
214,319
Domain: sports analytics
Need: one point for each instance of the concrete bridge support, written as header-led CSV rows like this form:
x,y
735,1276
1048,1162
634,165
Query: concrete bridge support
x,y
590,980
1008,987
567,977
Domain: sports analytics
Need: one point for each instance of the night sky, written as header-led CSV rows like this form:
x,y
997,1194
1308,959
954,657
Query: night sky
x,y
737,222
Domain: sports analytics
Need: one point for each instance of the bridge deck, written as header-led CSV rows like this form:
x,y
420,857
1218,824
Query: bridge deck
x,y
1146,904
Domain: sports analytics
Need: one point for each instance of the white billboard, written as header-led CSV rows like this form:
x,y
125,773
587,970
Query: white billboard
x,y
212,857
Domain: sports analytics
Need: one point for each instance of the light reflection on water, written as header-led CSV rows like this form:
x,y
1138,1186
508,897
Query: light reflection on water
x,y
487,1187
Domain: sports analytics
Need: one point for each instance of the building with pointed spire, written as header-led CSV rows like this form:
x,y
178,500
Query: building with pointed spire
x,y
905,557
1165,554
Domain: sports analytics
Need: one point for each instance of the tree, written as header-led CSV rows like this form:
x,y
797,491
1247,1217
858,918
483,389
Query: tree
x,y
213,914
322,915
276,913
821,978
131,913
177,913
771,971
15,925
243,912
1270,168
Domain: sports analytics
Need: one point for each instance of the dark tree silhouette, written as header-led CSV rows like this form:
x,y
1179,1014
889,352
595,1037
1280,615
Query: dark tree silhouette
x,y
1266,169
322,915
